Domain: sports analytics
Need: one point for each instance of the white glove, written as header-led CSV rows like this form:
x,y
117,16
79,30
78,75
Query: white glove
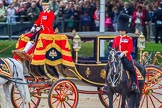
x,y
33,29
38,28
121,55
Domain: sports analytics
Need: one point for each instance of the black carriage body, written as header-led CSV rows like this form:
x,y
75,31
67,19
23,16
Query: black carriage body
x,y
93,56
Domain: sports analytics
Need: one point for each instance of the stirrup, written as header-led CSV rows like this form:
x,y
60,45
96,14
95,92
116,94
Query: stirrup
x,y
135,87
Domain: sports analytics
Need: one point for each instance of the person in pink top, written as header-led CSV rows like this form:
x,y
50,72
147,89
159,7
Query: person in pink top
x,y
108,23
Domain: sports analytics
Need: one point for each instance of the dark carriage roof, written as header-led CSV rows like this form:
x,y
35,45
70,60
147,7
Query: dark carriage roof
x,y
95,34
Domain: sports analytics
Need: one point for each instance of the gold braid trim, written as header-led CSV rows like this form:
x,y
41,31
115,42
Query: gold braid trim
x,y
52,78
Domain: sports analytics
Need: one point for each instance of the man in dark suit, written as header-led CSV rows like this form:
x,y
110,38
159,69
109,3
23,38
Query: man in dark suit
x,y
158,23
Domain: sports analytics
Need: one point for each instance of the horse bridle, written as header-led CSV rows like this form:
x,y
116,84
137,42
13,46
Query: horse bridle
x,y
113,75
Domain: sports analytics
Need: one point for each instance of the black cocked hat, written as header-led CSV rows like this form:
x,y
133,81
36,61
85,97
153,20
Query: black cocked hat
x,y
45,2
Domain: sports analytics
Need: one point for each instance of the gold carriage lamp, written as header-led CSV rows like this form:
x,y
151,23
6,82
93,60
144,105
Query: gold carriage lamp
x,y
76,42
141,45
76,45
141,41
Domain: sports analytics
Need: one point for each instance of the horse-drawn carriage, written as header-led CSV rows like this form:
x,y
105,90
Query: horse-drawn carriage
x,y
56,79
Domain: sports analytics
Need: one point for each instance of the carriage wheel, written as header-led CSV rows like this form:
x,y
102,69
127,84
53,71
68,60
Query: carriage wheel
x,y
63,94
17,100
152,91
105,100
16,97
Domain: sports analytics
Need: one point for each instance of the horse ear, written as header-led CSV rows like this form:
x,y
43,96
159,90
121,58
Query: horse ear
x,y
109,48
116,49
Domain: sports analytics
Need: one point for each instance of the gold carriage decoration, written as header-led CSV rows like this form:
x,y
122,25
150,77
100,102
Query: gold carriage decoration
x,y
154,59
5,70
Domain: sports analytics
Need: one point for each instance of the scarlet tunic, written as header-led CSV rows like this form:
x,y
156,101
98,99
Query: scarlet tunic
x,y
124,43
45,20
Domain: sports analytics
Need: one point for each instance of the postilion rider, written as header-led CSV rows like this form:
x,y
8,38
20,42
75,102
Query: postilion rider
x,y
43,25
124,44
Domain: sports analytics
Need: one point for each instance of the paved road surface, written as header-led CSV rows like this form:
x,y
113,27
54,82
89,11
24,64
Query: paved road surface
x,y
85,100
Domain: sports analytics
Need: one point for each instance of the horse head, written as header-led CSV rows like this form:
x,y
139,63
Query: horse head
x,y
118,81
115,65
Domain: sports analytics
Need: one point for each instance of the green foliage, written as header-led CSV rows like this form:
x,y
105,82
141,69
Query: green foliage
x,y
152,47
6,47
86,49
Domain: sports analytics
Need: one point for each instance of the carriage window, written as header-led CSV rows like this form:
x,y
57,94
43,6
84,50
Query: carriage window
x,y
87,50
104,51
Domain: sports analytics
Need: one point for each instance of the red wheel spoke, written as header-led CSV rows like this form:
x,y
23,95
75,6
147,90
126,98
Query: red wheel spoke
x,y
157,93
152,101
16,92
33,102
57,106
61,105
72,99
68,104
64,87
157,88
156,98
106,98
60,89
67,89
143,101
57,91
55,101
69,94
29,105
20,105
18,99
156,83
115,98
64,105
119,102
147,101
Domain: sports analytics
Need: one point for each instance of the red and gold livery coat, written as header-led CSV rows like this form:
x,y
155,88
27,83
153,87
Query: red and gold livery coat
x,y
45,20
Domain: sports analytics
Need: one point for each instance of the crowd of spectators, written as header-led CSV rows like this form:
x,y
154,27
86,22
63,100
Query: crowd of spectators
x,y
83,15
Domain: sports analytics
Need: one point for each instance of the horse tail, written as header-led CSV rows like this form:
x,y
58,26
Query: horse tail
x,y
27,93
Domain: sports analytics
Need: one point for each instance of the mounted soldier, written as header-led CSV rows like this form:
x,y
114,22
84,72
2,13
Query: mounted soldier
x,y
124,44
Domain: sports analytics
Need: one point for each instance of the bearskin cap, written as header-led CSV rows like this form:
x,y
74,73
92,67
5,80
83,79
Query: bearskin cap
x,y
123,22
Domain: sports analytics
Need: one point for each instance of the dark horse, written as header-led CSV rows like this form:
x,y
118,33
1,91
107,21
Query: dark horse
x,y
119,82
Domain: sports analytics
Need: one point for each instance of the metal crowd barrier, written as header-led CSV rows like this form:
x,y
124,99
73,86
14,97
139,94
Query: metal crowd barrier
x,y
11,30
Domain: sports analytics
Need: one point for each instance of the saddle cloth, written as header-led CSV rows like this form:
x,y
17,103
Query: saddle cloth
x,y
5,70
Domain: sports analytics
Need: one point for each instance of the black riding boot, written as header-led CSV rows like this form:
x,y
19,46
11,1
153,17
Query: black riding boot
x,y
129,66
